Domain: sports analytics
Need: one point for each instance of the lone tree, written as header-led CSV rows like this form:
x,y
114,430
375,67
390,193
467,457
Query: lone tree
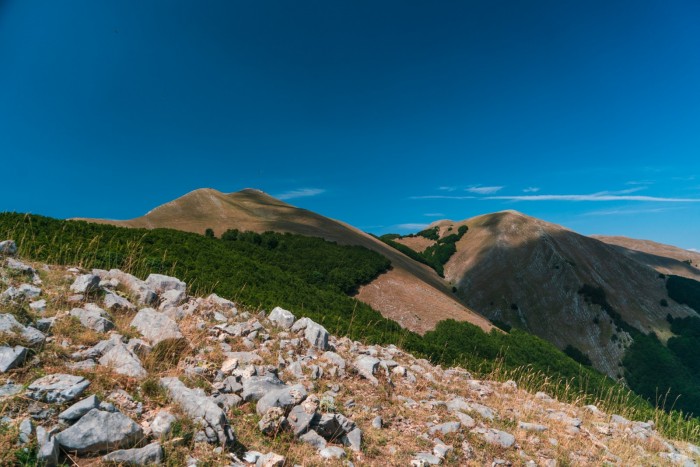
x,y
209,233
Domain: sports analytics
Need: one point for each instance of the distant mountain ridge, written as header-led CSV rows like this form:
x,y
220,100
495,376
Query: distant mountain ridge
x,y
540,276
411,293
575,291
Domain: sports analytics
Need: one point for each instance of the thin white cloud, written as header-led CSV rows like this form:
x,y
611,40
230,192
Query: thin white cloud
x,y
694,250
412,226
620,195
640,182
624,212
441,197
484,190
434,214
447,188
531,189
301,193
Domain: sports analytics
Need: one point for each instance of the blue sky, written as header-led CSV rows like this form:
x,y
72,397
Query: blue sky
x,y
385,114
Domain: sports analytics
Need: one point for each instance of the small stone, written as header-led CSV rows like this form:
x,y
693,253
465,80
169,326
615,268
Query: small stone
x,y
270,460
10,389
94,318
272,422
39,306
48,449
85,284
285,397
332,452
316,335
114,302
10,325
161,283
147,455
162,424
155,326
377,422
79,409
57,388
366,367
282,317
12,357
496,437
531,427
202,409
99,431
8,248
445,428
353,439
123,361
26,428
314,439
426,458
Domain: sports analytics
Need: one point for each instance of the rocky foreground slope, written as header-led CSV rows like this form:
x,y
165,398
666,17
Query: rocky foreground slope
x,y
101,367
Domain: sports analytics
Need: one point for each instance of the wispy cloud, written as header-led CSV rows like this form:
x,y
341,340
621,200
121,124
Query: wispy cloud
x,y
531,189
412,226
624,212
441,197
640,182
301,193
434,214
447,188
694,250
603,196
484,190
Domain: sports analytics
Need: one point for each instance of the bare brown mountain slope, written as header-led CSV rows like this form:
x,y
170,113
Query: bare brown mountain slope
x,y
411,293
666,259
528,273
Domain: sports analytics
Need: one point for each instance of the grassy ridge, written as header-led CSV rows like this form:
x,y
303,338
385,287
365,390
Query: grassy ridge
x,y
310,277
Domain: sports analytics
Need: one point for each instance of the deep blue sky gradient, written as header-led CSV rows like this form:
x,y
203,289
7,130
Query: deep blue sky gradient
x,y
386,114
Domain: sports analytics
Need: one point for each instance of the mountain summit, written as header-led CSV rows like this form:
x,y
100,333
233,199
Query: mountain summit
x,y
567,288
410,293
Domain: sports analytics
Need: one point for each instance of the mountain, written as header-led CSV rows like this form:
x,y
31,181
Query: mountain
x,y
410,293
146,387
569,289
666,259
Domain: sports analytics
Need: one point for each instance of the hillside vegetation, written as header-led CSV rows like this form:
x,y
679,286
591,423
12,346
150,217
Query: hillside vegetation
x,y
312,277
437,254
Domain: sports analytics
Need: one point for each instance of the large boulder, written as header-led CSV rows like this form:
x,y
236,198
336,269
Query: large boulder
x,y
282,317
85,283
57,387
151,454
161,283
155,326
94,318
203,410
99,431
11,357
